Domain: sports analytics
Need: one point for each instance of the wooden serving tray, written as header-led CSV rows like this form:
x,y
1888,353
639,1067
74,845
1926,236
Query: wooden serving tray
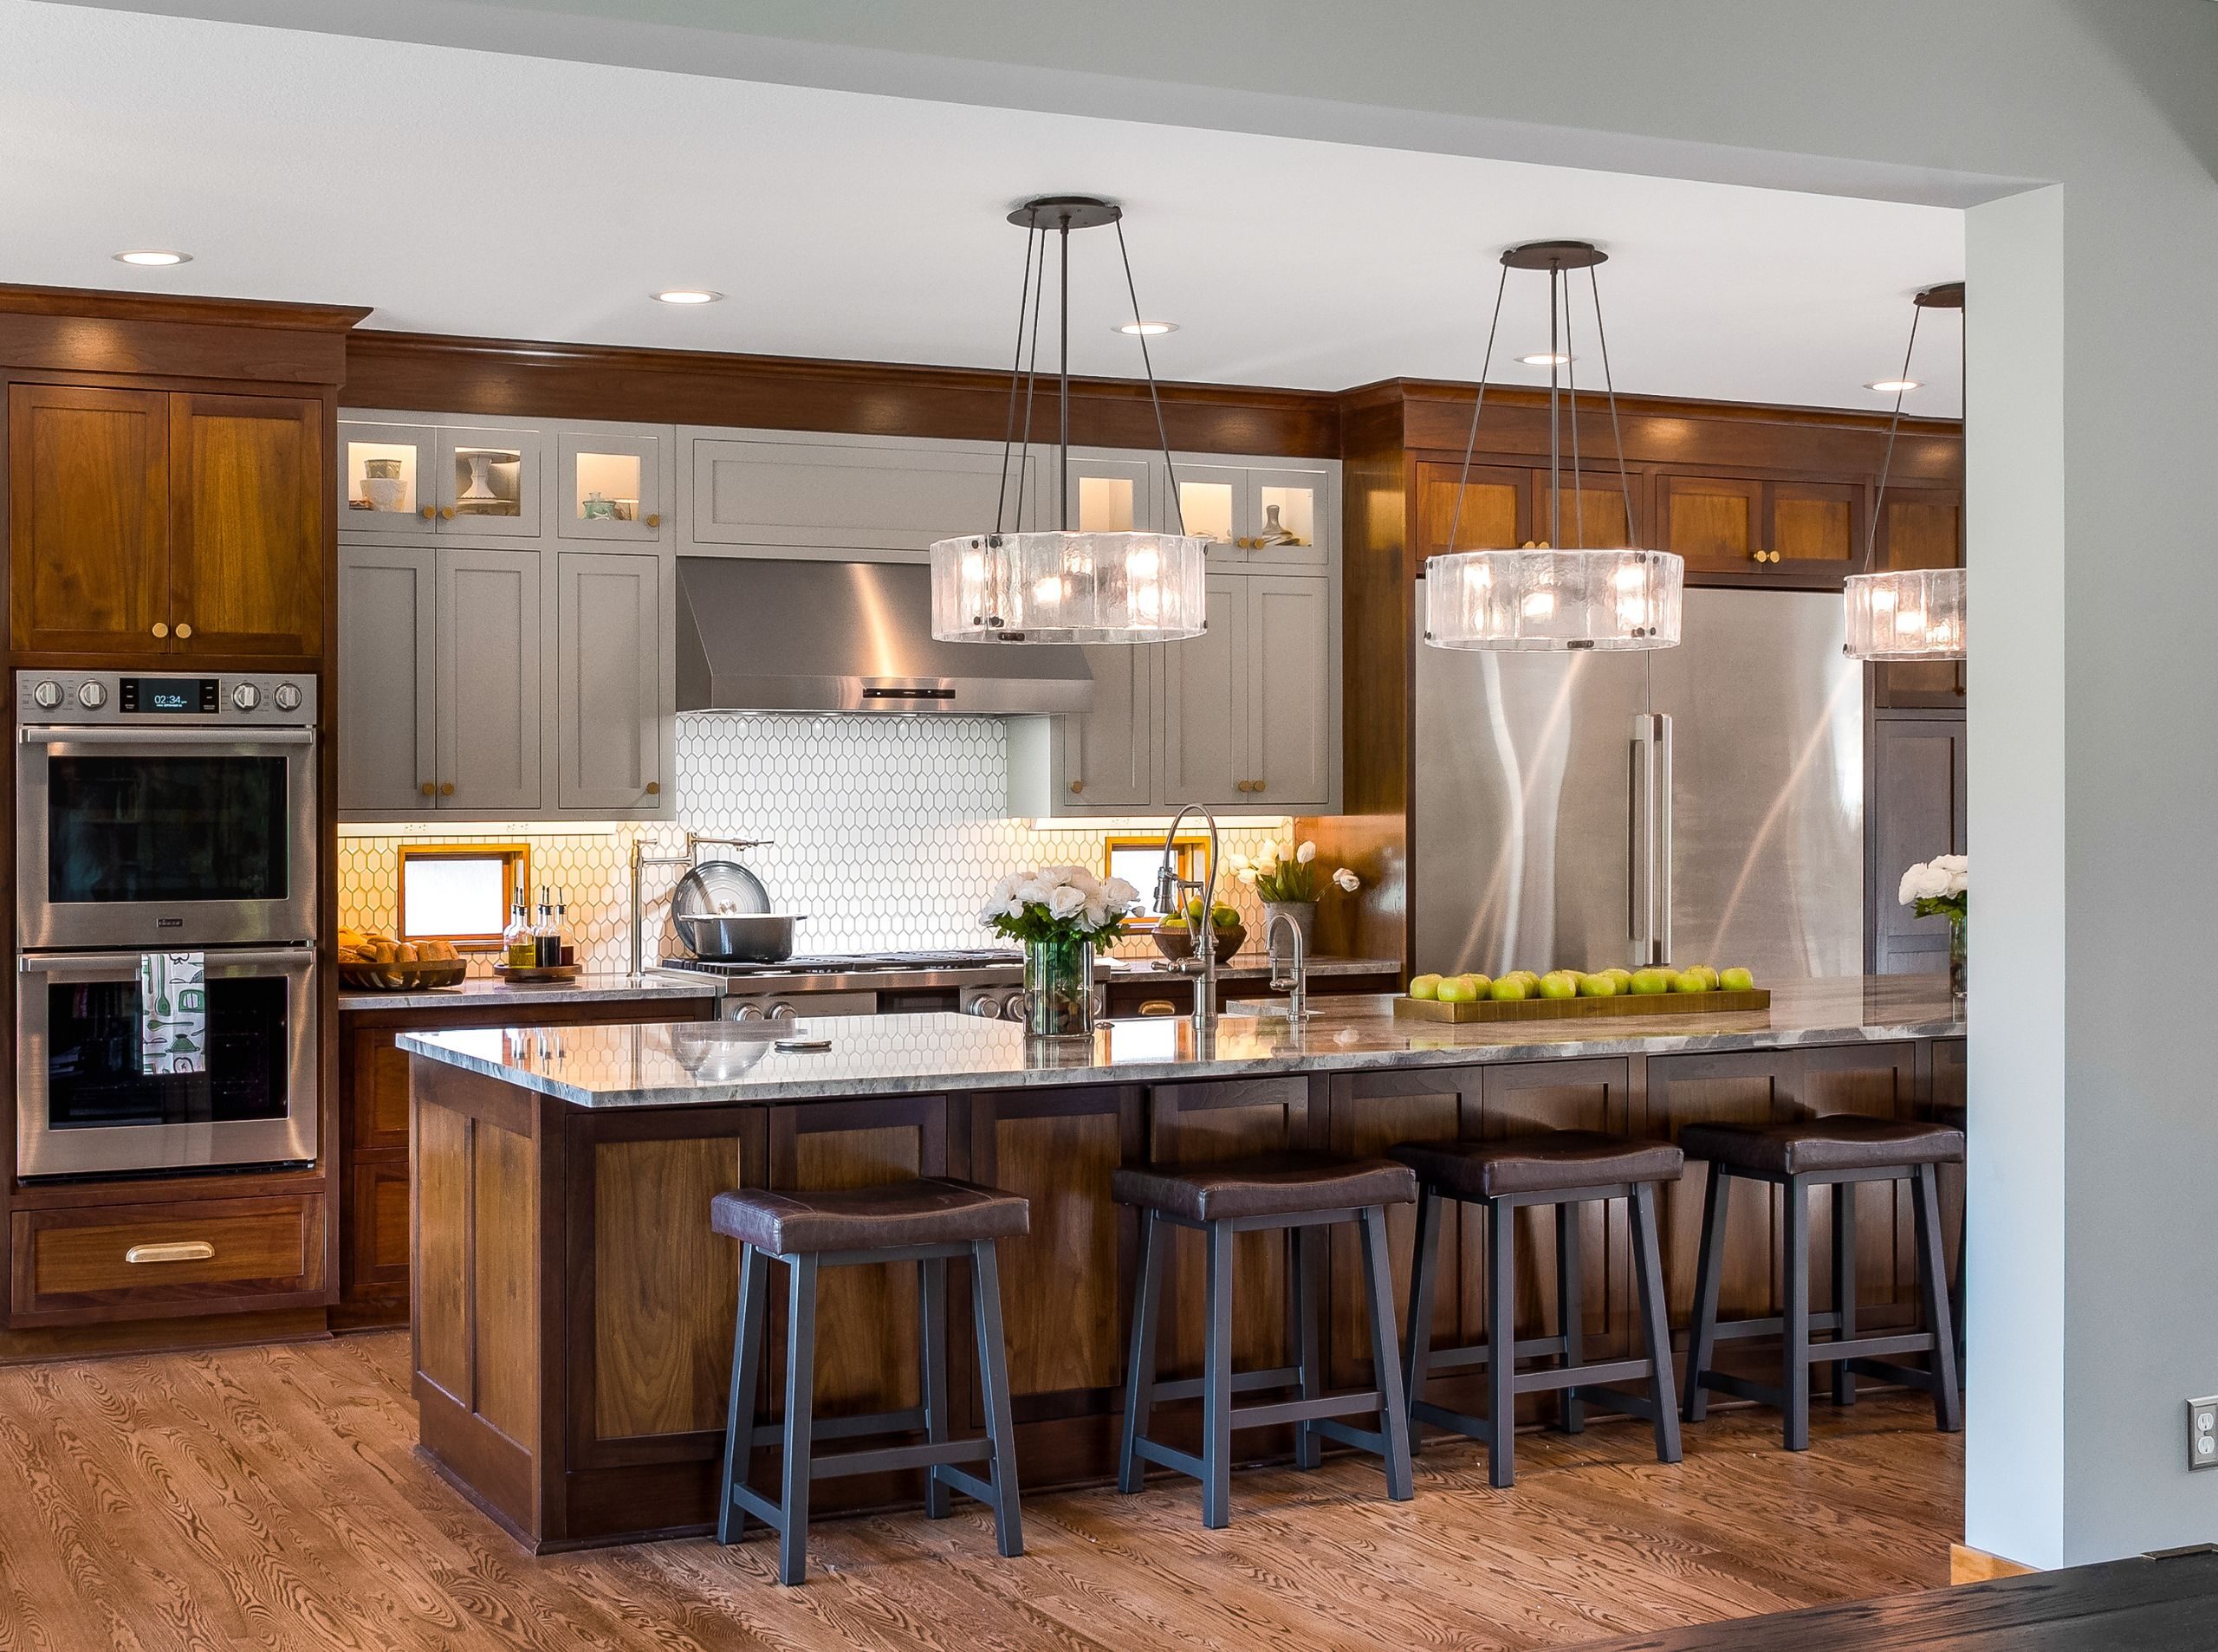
x,y
1571,1009
417,976
536,972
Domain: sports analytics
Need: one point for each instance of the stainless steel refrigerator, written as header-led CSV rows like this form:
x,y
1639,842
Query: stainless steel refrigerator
x,y
1703,804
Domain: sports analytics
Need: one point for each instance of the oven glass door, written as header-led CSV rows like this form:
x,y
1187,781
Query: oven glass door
x,y
89,1104
186,837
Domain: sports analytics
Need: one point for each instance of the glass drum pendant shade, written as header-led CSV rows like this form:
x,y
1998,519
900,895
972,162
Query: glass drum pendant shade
x,y
1538,599
1906,614
1069,587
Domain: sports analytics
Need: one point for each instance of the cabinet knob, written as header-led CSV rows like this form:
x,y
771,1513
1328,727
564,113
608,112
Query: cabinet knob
x,y
184,630
428,512
1077,787
654,519
446,788
1254,786
160,630
446,513
428,789
654,788
1764,556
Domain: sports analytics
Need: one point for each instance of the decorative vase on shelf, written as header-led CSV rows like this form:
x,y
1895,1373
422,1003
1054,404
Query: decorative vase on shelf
x,y
1058,987
1958,955
1304,914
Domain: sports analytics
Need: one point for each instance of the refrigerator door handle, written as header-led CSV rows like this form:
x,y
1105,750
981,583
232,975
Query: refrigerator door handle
x,y
1659,816
1638,846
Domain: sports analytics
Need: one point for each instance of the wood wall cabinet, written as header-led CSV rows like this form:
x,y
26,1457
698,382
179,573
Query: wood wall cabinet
x,y
1920,528
1505,506
164,523
1798,534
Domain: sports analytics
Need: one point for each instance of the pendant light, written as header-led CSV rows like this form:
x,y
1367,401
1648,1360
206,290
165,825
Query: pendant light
x,y
1545,597
1906,613
1058,586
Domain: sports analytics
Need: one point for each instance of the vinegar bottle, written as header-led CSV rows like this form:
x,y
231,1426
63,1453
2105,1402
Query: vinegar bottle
x,y
546,939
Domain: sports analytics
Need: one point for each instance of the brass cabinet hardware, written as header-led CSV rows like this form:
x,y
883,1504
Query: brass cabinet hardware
x,y
179,1250
1077,787
654,788
429,790
446,513
428,512
654,519
183,630
1158,1007
160,630
446,788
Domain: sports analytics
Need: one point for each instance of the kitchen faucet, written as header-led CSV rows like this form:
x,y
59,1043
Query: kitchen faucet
x,y
1296,985
1170,891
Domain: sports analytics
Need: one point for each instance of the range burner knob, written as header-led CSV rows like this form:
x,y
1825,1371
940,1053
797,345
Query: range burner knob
x,y
747,1012
1013,1007
46,695
92,696
288,696
246,696
985,1005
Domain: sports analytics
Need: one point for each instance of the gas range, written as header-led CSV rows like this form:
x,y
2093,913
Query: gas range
x,y
976,981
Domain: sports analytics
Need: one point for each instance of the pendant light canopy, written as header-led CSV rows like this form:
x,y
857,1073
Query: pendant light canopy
x,y
1548,597
1037,585
1906,613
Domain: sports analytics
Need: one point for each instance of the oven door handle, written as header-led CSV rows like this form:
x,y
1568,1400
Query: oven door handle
x,y
283,957
151,734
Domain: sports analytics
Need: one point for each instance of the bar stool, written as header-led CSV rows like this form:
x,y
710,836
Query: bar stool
x,y
1564,1169
924,1222
1294,1192
1839,1152
1952,1115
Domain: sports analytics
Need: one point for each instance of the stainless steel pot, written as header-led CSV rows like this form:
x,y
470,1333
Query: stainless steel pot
x,y
738,937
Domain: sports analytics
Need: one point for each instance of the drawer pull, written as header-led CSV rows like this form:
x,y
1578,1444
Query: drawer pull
x,y
1158,1007
179,1250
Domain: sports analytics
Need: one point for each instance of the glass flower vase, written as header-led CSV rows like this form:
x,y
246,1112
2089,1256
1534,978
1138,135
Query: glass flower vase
x,y
1956,955
1058,987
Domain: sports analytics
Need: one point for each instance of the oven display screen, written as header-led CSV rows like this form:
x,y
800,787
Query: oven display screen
x,y
161,694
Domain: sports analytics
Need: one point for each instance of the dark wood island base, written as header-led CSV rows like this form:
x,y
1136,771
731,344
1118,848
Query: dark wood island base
x,y
573,1311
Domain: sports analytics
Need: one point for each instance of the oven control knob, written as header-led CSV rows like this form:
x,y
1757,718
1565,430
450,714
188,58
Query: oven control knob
x,y
747,1012
92,696
983,1005
780,1009
1013,1007
246,696
288,696
46,695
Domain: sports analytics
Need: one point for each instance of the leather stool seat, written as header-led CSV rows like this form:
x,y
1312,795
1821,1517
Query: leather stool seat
x,y
1278,1184
1551,1162
933,1211
1811,1146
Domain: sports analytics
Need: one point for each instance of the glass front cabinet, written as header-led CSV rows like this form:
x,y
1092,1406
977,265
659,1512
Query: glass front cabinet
x,y
609,486
439,479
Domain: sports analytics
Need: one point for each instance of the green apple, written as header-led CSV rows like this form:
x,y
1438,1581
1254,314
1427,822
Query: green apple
x,y
1455,990
1531,981
1602,986
1622,976
1560,983
1171,920
1736,979
1690,980
1225,917
1708,975
1647,983
1507,991
1477,982
1425,987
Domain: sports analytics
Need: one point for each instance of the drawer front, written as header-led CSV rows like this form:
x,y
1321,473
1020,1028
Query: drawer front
x,y
119,1261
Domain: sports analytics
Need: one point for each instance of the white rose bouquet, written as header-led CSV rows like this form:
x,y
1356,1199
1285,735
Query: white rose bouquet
x,y
1938,888
1060,904
1287,873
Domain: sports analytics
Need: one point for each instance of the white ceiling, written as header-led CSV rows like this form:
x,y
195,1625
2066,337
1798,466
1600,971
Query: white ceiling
x,y
470,192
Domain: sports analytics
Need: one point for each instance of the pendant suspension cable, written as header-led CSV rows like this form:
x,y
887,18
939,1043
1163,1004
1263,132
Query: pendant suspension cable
x,y
1015,378
1609,388
1032,378
1147,365
1887,461
1570,383
1471,442
1063,434
1555,434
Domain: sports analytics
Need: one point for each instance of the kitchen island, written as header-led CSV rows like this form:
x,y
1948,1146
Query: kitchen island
x,y
573,1311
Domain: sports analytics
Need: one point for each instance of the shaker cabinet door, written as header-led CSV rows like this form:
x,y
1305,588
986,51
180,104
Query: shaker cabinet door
x,y
1289,636
1109,752
388,733
608,681
1205,679
88,518
246,525
489,680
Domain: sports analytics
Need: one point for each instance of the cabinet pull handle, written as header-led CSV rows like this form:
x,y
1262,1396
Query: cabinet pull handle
x,y
654,788
428,789
428,512
446,788
1158,1007
177,1250
160,630
446,513
183,630
654,519
1077,787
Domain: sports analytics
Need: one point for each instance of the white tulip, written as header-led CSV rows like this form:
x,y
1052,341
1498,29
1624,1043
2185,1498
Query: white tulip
x,y
1247,876
1063,902
1306,853
1347,880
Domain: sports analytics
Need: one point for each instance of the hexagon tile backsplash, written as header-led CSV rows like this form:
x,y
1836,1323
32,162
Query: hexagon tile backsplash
x,y
884,832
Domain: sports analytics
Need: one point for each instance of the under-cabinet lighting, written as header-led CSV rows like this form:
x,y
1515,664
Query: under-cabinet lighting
x,y
688,295
153,257
1148,329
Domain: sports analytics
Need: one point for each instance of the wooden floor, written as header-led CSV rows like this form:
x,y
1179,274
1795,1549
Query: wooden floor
x,y
270,1497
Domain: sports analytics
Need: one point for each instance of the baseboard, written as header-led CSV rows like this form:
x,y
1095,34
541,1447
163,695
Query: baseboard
x,y
160,1336
1971,1565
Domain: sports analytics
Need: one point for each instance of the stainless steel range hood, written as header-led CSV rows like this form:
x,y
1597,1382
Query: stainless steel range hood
x,y
757,634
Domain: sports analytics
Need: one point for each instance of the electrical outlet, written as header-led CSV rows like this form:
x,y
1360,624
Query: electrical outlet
x,y
2203,1433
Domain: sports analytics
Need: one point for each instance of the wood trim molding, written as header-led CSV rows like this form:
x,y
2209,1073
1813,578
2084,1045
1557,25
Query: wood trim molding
x,y
1971,1565
86,330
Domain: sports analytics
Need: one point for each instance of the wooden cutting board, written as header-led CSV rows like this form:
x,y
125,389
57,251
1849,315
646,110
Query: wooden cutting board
x,y
1570,1010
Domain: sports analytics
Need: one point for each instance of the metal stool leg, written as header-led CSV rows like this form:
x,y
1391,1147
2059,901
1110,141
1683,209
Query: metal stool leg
x,y
1845,1285
993,1379
1947,1396
1139,1374
800,1418
1648,1266
1394,1410
1571,1315
746,1370
1502,1342
1216,1380
1416,1331
931,1346
1701,1339
1304,1276
1795,1350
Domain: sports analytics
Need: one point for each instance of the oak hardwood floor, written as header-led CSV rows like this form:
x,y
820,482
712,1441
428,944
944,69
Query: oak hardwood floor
x,y
270,1497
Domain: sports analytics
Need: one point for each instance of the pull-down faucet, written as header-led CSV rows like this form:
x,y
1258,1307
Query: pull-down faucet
x,y
1170,891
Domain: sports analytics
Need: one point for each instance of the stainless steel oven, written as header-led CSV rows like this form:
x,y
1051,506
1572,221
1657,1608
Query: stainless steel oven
x,y
86,1104
163,812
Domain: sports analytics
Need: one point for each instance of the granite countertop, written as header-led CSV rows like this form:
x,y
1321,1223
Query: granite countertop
x,y
1249,962
480,991
722,1062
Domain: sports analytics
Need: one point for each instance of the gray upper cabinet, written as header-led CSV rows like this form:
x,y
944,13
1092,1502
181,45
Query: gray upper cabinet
x,y
388,749
1916,812
1206,682
819,493
1291,733
610,484
608,674
489,680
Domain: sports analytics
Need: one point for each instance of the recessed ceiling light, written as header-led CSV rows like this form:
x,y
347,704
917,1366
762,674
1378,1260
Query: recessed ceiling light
x,y
1894,387
689,295
1546,359
1148,329
153,257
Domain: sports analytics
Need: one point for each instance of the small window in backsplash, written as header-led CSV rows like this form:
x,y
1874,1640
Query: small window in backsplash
x,y
459,892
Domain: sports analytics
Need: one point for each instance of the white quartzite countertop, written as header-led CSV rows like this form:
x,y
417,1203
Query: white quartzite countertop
x,y
722,1062
482,993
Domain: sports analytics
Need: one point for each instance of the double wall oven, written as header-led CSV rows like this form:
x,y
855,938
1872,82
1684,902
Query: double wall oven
x,y
165,814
